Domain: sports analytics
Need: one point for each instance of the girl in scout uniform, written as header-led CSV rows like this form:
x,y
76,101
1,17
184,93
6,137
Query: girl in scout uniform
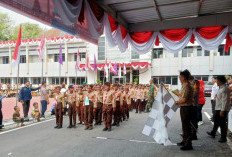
x,y
72,111
79,104
98,105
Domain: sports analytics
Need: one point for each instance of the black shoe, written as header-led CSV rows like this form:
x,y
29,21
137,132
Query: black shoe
x,y
222,140
114,124
136,112
105,129
74,126
96,123
211,134
69,126
91,128
59,127
109,129
180,144
187,147
99,123
194,138
80,123
56,127
117,125
86,128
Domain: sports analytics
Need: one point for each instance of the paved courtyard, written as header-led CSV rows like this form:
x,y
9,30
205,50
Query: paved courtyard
x,y
42,140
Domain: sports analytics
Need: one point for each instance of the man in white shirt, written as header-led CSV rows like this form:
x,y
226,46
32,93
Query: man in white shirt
x,y
221,109
214,92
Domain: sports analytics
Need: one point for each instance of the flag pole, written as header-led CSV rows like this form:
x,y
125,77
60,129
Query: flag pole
x,y
59,73
42,70
17,87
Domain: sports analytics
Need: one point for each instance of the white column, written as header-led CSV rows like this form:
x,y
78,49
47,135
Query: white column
x,y
66,56
180,61
211,61
27,59
10,60
68,81
45,59
47,80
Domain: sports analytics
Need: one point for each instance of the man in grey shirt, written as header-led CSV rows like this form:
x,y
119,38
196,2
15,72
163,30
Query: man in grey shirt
x,y
44,99
221,109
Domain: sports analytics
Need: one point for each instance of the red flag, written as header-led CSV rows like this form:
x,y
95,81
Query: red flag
x,y
41,49
16,55
106,70
78,61
87,66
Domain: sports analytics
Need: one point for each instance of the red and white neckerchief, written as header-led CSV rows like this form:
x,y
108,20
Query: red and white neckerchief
x,y
105,97
71,94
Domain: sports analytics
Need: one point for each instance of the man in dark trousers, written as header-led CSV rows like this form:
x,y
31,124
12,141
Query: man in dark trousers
x,y
221,109
1,116
25,97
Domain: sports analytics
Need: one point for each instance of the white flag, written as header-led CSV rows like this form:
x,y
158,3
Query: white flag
x,y
162,111
119,71
41,48
124,69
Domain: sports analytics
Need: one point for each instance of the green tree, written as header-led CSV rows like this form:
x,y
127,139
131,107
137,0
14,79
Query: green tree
x,y
29,31
5,27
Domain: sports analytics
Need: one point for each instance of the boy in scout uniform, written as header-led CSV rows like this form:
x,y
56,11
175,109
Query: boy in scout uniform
x,y
98,105
139,99
79,104
117,95
88,107
131,93
108,107
126,103
122,107
72,111
59,106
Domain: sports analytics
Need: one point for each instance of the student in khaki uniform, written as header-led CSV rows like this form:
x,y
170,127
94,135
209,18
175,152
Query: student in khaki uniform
x,y
122,107
117,95
126,103
88,107
139,99
108,107
59,106
72,109
145,93
98,105
79,104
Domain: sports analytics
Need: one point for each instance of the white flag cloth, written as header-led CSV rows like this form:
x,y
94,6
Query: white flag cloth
x,y
119,71
41,48
162,111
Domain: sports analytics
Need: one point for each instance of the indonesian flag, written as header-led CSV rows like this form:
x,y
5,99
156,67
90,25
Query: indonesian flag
x,y
41,49
106,70
78,61
87,65
16,55
124,69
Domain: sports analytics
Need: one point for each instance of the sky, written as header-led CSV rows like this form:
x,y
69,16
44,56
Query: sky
x,y
17,18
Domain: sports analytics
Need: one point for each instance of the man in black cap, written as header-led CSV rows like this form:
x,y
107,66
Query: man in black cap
x,y
221,109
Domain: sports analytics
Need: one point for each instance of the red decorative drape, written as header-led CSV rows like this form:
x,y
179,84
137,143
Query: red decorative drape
x,y
210,32
113,23
141,37
81,17
192,40
123,32
174,34
98,12
228,42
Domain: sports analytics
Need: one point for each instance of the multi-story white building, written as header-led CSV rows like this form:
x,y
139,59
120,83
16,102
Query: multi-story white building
x,y
165,66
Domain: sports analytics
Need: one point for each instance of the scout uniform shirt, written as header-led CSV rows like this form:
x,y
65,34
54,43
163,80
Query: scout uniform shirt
x,y
127,98
131,92
79,98
108,98
122,98
59,98
88,97
98,98
71,97
187,93
139,94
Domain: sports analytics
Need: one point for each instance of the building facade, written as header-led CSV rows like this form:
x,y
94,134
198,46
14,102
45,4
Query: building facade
x,y
164,66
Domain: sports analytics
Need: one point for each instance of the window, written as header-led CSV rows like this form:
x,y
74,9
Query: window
x,y
22,80
199,51
157,53
56,57
6,80
79,80
206,53
36,80
222,52
176,54
101,48
23,59
82,56
134,55
5,60
102,76
203,78
135,74
55,80
173,80
187,52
